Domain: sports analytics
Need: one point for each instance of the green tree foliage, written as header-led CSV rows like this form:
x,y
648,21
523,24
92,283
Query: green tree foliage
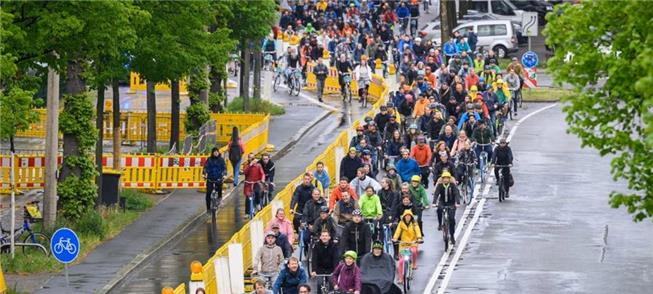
x,y
196,115
16,113
608,58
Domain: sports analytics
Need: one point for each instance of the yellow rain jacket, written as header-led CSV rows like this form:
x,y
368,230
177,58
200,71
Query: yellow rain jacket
x,y
407,232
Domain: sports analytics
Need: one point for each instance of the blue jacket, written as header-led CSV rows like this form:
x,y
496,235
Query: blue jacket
x,y
402,11
464,117
323,178
407,168
215,168
449,48
289,281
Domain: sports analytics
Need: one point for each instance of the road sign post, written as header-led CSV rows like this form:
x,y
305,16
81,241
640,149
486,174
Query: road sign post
x,y
65,247
529,27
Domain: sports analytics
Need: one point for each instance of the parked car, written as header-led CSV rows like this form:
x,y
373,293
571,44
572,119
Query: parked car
x,y
497,35
499,9
432,29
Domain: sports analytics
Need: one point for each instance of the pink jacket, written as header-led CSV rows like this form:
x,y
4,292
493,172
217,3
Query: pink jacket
x,y
285,227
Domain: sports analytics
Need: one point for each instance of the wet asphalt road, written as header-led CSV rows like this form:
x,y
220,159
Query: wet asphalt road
x,y
556,233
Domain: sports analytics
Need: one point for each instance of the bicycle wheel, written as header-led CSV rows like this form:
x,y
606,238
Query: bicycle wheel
x,y
405,279
410,275
502,190
481,169
445,234
36,238
277,82
301,245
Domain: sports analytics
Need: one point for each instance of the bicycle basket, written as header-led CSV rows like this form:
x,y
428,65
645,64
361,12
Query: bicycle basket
x,y
33,211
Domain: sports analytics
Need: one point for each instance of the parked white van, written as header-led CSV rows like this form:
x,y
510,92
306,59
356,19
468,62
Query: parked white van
x,y
497,35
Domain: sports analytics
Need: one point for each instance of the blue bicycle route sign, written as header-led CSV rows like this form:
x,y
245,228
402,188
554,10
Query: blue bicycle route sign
x,y
529,59
64,245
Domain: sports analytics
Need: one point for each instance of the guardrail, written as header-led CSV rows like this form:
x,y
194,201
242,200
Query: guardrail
x,y
133,125
234,257
146,171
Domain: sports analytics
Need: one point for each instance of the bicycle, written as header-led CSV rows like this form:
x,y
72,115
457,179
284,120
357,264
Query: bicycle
x,y
363,96
265,193
446,219
467,183
407,263
294,82
373,223
502,116
323,283
482,161
346,78
268,61
268,279
33,241
387,239
215,201
503,185
278,77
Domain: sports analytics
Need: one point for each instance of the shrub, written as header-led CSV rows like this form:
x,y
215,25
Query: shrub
x,y
91,223
196,115
255,105
135,200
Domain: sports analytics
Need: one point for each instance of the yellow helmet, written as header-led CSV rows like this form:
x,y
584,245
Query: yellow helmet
x,y
446,173
415,178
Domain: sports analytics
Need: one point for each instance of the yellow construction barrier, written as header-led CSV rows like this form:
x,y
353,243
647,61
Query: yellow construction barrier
x,y
133,125
328,157
331,85
136,84
149,171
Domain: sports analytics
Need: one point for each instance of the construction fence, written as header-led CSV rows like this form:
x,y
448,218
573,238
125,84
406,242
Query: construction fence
x,y
147,171
331,85
235,257
133,125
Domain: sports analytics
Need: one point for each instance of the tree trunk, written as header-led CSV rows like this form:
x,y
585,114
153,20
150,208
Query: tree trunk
x,y
74,88
216,81
11,144
51,150
257,73
99,124
174,115
116,124
448,20
244,74
204,92
151,117
226,94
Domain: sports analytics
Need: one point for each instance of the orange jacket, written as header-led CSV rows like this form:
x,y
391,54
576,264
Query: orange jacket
x,y
422,154
336,195
420,107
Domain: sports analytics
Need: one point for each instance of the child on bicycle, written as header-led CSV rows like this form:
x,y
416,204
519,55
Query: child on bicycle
x,y
347,276
407,234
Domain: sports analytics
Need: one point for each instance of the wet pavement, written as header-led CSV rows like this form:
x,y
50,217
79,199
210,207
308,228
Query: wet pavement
x,y
557,232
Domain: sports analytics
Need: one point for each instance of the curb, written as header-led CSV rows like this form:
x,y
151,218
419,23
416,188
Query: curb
x,y
182,228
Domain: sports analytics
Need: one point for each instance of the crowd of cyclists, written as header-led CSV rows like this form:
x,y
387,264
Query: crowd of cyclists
x,y
445,116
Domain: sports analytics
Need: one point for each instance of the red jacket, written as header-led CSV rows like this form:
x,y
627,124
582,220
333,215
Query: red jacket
x,y
253,173
470,80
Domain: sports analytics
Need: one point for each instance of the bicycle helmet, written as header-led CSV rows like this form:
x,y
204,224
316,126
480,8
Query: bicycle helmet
x,y
415,178
446,174
324,209
270,233
356,212
413,126
433,106
368,119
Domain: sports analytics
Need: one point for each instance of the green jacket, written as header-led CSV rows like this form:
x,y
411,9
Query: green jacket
x,y
370,206
483,136
419,195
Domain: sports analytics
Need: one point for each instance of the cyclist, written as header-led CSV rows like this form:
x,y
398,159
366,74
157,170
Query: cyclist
x,y
343,210
283,224
362,75
406,166
357,235
302,194
446,196
407,232
382,118
214,172
336,193
459,143
311,212
282,241
378,268
292,63
347,276
393,176
304,289
268,169
466,156
253,173
325,256
259,288
371,209
503,156
420,199
389,199
362,181
269,258
344,67
321,175
512,80
325,223
442,165
320,71
360,136
350,164
422,155
483,136
290,277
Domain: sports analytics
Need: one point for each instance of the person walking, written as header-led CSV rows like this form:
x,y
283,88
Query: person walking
x,y
236,151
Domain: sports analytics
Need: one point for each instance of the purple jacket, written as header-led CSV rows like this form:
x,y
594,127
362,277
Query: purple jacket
x,y
347,277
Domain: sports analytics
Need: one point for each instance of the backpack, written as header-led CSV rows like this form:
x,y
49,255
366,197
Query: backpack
x,y
235,154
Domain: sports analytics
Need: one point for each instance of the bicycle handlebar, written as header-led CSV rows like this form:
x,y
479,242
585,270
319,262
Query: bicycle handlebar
x,y
507,165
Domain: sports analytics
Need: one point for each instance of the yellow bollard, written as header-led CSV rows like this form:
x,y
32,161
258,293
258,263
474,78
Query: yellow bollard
x,y
196,278
167,290
379,63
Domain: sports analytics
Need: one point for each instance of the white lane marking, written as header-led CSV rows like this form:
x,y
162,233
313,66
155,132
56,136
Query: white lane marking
x,y
459,249
445,256
479,210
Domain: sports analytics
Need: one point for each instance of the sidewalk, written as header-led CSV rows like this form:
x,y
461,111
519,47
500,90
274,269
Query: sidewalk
x,y
114,259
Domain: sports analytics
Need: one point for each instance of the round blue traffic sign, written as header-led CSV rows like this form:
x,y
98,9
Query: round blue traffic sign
x,y
529,59
64,245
